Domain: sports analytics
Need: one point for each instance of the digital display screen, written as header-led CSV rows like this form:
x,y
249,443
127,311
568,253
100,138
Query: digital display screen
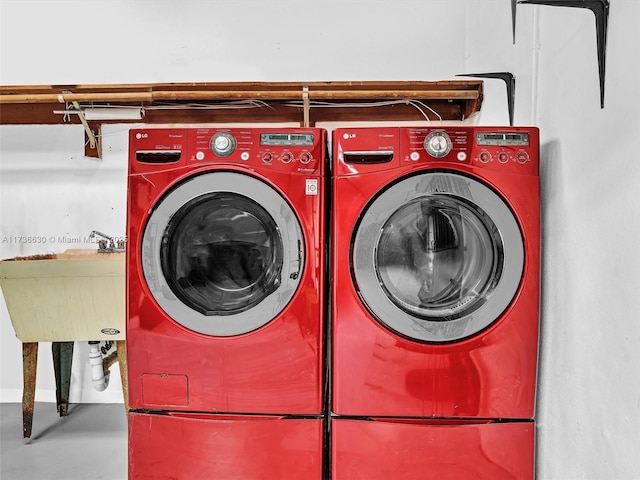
x,y
287,139
497,138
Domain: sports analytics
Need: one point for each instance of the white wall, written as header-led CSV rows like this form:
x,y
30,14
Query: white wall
x,y
589,391
589,394
50,190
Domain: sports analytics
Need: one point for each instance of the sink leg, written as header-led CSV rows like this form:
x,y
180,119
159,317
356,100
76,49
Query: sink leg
x,y
121,347
62,362
29,368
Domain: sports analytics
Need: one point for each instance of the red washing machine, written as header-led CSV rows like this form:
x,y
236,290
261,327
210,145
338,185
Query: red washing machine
x,y
225,302
435,302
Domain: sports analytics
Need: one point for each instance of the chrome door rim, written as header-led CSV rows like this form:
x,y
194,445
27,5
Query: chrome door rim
x,y
367,237
292,259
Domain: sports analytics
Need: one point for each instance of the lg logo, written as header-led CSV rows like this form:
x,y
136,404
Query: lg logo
x,y
347,136
142,135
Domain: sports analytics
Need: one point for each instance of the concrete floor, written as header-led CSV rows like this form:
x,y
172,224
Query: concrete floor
x,y
89,444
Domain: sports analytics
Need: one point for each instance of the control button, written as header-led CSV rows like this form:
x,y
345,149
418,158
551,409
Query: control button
x,y
200,155
267,157
484,157
305,157
414,156
522,157
223,144
286,156
244,156
462,156
503,157
438,144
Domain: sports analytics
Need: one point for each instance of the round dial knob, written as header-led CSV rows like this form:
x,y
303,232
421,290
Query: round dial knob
x,y
503,157
286,156
437,144
305,157
485,156
223,144
522,157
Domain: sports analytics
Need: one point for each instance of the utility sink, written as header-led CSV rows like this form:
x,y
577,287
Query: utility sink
x,y
75,295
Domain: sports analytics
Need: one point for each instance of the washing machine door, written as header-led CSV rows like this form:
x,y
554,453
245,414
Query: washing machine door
x,y
437,257
222,253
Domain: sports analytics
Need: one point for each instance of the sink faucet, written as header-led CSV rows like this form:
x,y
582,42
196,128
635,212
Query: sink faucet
x,y
103,246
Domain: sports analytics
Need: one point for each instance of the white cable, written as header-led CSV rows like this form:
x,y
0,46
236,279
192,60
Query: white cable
x,y
417,104
411,102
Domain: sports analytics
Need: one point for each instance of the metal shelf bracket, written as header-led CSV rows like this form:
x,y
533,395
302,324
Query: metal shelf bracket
x,y
600,9
514,4
508,79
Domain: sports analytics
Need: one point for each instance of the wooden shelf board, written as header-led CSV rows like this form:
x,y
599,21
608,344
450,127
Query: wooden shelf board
x,y
305,103
175,102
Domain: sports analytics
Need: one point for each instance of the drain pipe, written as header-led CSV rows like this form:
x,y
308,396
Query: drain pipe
x,y
99,378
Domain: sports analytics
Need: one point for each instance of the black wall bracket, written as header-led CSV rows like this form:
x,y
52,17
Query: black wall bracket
x,y
600,9
509,79
514,4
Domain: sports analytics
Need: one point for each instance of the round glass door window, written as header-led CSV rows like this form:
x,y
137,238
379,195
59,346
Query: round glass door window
x,y
437,257
222,253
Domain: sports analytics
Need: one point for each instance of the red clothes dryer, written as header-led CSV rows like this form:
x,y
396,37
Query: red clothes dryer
x,y
225,302
435,301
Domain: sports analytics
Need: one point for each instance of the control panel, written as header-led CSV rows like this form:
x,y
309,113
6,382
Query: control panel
x,y
295,150
286,149
511,149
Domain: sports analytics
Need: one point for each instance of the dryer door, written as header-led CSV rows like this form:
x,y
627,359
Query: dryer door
x,y
222,253
437,257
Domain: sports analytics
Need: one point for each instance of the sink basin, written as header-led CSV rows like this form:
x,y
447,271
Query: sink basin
x,y
70,296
